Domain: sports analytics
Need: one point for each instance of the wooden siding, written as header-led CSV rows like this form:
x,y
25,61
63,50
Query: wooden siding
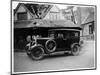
x,y
22,9
54,14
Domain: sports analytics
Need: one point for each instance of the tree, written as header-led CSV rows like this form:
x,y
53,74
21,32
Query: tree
x,y
73,16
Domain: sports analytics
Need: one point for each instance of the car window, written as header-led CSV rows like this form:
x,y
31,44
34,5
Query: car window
x,y
63,34
60,35
70,34
51,34
76,34
67,35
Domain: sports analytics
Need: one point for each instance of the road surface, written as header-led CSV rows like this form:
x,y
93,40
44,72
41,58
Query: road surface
x,y
86,59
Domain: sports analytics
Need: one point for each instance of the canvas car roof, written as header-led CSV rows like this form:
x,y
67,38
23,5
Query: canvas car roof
x,y
64,30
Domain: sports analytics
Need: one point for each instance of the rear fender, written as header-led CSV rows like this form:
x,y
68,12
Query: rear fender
x,y
74,45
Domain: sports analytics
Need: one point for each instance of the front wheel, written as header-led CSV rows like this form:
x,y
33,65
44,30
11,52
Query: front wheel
x,y
37,53
75,50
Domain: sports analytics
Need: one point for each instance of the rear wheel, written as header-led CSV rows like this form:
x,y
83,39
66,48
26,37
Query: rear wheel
x,y
75,50
37,53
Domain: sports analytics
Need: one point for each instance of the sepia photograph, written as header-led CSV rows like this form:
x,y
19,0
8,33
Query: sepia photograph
x,y
52,37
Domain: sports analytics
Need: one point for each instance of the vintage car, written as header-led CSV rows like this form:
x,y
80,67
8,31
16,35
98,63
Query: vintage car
x,y
58,41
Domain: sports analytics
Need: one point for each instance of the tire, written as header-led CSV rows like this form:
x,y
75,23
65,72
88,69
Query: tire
x,y
37,53
75,50
50,46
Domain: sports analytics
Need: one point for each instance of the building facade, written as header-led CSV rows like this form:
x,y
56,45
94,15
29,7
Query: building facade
x,y
34,19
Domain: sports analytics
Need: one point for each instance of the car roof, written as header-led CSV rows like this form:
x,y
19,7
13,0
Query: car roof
x,y
64,30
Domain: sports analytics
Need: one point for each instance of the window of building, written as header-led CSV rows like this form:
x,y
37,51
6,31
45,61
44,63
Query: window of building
x,y
90,29
22,16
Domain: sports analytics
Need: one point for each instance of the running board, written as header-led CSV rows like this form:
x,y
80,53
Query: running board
x,y
58,52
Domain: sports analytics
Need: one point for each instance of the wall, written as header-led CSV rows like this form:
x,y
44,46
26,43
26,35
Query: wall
x,y
54,14
86,30
22,9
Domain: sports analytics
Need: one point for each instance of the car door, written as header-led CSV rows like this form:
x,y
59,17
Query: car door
x,y
67,39
60,41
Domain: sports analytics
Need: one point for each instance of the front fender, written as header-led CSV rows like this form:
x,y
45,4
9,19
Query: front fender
x,y
35,45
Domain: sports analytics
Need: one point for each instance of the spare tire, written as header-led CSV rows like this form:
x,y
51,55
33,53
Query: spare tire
x,y
50,46
37,52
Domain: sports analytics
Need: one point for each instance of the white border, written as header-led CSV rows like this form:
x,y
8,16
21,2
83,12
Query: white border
x,y
45,70
5,40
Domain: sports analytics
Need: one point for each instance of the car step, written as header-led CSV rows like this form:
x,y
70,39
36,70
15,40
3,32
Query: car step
x,y
56,53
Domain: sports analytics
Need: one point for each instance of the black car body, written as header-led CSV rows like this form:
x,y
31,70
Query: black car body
x,y
58,40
